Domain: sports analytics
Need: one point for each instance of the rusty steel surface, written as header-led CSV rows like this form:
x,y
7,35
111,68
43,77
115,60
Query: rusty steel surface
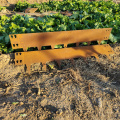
x,y
44,56
56,38
30,10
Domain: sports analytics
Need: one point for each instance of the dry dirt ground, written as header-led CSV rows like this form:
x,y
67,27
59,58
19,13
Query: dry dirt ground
x,y
86,91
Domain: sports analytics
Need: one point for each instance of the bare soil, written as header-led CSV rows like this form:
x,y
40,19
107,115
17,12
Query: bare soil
x,y
89,90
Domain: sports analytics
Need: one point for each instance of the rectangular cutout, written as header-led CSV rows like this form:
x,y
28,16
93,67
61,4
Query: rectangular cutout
x,y
94,43
83,44
71,45
32,49
45,47
59,46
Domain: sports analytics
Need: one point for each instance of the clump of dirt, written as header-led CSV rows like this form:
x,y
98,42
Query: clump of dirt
x,y
87,90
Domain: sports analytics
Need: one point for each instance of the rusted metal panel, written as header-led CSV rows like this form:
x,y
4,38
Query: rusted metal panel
x,y
30,10
56,38
44,56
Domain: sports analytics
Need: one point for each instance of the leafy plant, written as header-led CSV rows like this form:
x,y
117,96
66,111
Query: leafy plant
x,y
86,15
2,8
21,6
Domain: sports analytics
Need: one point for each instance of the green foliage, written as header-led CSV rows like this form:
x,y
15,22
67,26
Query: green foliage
x,y
71,5
21,6
2,8
3,48
86,15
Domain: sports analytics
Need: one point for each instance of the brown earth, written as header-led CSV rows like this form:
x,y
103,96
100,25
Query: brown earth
x,y
88,91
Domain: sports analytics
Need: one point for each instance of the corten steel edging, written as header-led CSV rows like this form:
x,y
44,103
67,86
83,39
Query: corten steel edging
x,y
31,57
56,38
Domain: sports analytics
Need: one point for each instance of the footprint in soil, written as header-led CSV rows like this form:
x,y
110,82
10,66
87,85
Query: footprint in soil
x,y
112,94
24,88
1,118
17,76
52,109
4,84
34,90
73,105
